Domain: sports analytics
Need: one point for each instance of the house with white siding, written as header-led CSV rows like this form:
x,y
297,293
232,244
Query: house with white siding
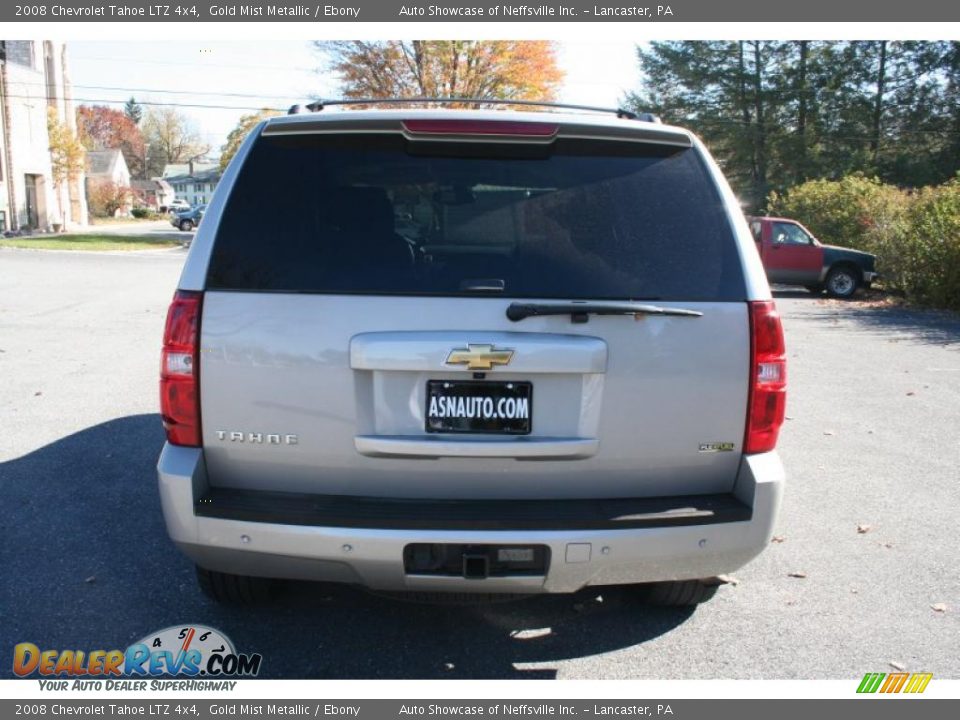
x,y
156,193
109,167
193,181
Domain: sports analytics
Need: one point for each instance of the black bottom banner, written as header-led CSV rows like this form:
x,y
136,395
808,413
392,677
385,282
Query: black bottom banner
x,y
874,708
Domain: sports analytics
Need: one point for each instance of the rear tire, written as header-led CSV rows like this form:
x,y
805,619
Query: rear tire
x,y
677,593
234,589
186,225
842,282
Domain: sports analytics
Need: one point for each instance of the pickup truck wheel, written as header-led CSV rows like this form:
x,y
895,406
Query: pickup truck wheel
x,y
186,225
842,282
677,593
234,589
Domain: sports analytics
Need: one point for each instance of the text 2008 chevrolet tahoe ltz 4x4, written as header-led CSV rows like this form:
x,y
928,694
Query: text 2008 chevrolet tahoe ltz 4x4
x,y
473,351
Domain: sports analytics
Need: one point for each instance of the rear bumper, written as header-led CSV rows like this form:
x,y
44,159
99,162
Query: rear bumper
x,y
271,535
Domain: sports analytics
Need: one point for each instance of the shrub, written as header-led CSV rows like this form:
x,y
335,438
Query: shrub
x,y
932,263
915,235
855,212
144,213
104,198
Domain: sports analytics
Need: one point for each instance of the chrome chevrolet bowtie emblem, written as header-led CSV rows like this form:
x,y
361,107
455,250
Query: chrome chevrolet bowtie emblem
x,y
479,357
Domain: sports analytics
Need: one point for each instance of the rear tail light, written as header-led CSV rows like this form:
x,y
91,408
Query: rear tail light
x,y
179,367
768,378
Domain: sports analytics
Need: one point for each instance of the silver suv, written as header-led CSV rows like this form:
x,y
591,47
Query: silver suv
x,y
473,351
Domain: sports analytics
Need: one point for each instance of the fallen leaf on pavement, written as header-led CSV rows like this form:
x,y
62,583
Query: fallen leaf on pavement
x,y
797,574
939,607
777,539
897,666
911,393
829,432
864,529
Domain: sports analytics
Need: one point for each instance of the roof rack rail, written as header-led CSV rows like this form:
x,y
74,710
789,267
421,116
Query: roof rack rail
x,y
319,105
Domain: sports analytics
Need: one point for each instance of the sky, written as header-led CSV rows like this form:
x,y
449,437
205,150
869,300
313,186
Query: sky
x,y
215,83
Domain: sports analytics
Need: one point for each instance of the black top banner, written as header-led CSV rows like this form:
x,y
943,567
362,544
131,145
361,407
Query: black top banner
x,y
483,11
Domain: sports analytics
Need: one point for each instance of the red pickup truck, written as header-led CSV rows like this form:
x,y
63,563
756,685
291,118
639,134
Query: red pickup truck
x,y
791,255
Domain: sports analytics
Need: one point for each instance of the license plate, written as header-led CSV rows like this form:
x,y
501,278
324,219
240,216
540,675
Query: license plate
x,y
464,406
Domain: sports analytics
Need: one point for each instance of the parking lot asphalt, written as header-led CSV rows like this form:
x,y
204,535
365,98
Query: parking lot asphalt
x,y
863,572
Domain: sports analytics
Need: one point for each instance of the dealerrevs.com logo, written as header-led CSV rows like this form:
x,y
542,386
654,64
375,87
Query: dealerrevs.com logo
x,y
191,651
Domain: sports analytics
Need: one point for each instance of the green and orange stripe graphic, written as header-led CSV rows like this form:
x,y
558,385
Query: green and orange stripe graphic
x,y
894,682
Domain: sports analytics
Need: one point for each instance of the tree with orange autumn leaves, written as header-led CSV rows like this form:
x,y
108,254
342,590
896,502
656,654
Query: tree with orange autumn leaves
x,y
496,69
103,128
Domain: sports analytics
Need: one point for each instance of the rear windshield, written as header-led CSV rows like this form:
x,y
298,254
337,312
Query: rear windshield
x,y
377,214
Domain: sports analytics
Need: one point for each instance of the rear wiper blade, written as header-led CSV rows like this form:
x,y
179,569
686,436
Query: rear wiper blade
x,y
580,312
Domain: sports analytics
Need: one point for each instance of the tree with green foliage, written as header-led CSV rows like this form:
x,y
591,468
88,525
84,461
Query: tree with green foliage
x,y
725,91
133,110
777,113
